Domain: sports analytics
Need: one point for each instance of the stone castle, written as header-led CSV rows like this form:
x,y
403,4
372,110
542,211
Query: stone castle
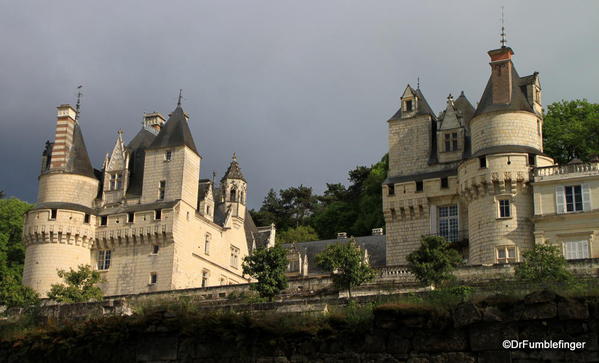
x,y
476,176
146,220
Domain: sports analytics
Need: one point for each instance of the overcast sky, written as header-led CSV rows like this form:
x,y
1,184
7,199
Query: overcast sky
x,y
301,90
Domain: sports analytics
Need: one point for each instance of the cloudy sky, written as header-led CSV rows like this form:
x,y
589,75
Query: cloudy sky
x,y
301,90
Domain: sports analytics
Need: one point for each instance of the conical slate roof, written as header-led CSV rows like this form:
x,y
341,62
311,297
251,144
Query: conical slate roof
x,y
175,132
78,161
234,172
518,102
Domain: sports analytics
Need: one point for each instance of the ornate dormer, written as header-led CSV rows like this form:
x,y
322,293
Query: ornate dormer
x,y
452,133
234,189
409,102
116,172
206,199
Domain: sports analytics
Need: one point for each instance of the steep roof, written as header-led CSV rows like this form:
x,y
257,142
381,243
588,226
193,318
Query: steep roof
x,y
175,132
234,171
137,147
518,102
78,161
464,106
423,106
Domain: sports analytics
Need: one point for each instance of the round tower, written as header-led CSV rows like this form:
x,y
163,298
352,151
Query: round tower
x,y
59,231
234,189
506,139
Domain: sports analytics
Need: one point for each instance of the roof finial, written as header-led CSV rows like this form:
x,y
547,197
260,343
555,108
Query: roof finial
x,y
418,83
78,106
234,156
180,96
503,41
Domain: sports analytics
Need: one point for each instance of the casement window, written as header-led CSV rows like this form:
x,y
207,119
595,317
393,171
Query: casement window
x,y
506,254
205,275
391,189
451,141
572,198
207,239
153,278
409,105
116,181
161,189
505,208
482,161
158,214
104,220
86,218
130,217
575,250
168,155
155,249
448,222
234,256
104,259
419,186
444,183
53,213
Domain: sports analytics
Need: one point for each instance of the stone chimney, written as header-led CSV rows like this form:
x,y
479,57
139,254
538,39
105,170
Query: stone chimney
x,y
65,125
154,121
501,74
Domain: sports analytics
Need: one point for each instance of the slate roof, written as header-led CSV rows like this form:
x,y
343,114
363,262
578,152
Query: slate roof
x,y
507,148
175,132
465,107
234,171
375,245
137,147
106,211
78,160
61,205
422,176
423,106
519,102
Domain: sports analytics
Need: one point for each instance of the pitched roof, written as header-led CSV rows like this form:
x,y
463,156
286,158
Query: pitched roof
x,y
464,106
175,132
423,106
518,102
234,171
78,160
137,147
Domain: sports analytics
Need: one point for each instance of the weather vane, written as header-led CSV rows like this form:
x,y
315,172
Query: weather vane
x,y
503,41
78,106
180,96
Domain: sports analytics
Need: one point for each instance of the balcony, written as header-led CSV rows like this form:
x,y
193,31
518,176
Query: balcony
x,y
566,171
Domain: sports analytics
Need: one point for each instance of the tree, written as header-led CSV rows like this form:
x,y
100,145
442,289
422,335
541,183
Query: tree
x,y
79,285
571,130
434,261
268,266
14,294
346,263
543,263
297,234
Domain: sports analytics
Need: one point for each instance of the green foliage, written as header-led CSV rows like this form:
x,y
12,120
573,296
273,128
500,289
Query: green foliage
x,y
345,262
14,294
268,266
79,285
434,261
543,263
297,234
571,130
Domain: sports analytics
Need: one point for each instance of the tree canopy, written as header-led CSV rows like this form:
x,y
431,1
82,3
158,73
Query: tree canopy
x,y
543,263
268,266
434,261
571,130
79,286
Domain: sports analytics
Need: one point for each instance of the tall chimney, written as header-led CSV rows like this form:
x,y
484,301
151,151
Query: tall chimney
x,y
65,125
501,74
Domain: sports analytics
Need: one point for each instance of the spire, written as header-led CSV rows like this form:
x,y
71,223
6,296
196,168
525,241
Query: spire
x,y
503,41
175,132
179,101
78,106
234,172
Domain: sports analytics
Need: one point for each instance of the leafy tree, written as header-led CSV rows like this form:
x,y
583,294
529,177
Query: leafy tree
x,y
268,266
297,234
79,285
543,263
14,294
345,262
571,130
434,261
1,194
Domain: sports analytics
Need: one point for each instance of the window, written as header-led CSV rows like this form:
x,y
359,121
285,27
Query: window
x,y
155,249
116,181
104,259
161,189
506,254
532,158
86,218
419,186
207,210
233,194
158,214
391,189
574,250
448,222
103,220
504,208
130,217
153,278
393,214
444,183
451,141
205,275
168,155
573,198
53,213
409,106
482,161
234,256
207,244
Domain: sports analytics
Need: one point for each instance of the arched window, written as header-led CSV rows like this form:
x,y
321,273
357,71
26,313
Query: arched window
x,y
233,196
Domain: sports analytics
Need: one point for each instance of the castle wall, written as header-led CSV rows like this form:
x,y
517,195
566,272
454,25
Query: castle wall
x,y
405,155
67,188
509,128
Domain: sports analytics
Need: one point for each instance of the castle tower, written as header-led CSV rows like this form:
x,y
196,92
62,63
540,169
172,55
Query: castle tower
x,y
234,189
495,181
59,230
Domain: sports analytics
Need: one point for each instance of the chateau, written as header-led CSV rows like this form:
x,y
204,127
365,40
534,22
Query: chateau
x,y
479,177
145,221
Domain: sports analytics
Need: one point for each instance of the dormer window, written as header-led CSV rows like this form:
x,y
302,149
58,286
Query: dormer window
x,y
451,141
116,181
168,155
409,105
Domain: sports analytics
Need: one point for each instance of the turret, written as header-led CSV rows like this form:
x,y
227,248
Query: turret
x,y
234,189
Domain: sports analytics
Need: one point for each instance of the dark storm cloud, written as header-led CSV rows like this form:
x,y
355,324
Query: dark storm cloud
x,y
300,90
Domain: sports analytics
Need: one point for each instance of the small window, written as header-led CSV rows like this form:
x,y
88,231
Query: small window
x,y
574,198
454,141
130,217
505,208
532,159
153,278
161,189
168,156
447,143
506,254
86,218
104,257
419,186
444,183
482,161
208,210
233,195
53,213
103,220
205,275
155,249
393,214
158,214
391,189
234,256
409,106
207,244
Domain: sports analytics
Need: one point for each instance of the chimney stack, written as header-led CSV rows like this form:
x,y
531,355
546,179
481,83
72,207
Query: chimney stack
x,y
65,125
154,121
501,74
